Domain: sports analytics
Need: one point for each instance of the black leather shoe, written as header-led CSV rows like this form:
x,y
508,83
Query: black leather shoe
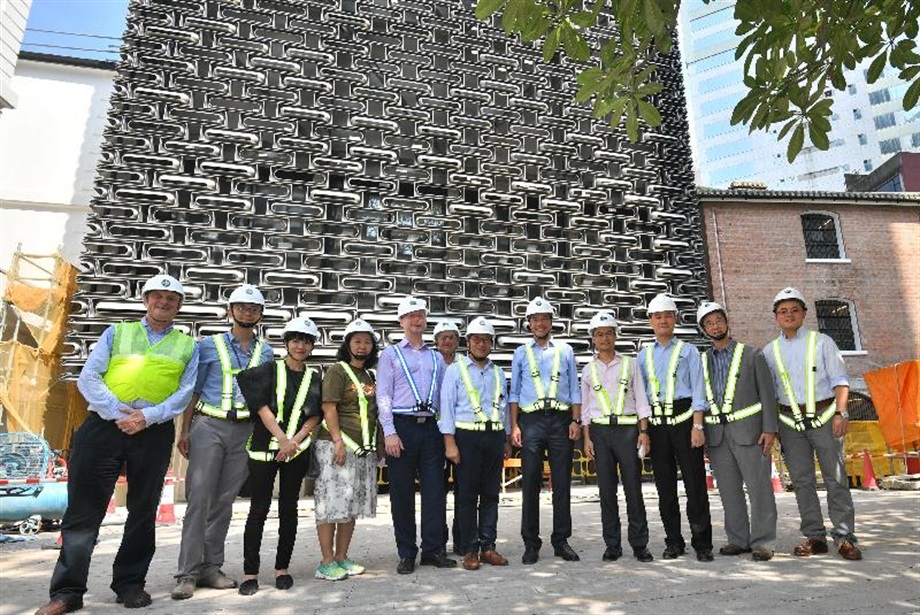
x,y
530,556
566,552
733,549
249,587
134,598
438,560
673,552
644,555
612,555
704,555
406,566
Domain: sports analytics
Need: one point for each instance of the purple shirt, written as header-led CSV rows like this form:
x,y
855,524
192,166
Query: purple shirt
x,y
393,389
635,401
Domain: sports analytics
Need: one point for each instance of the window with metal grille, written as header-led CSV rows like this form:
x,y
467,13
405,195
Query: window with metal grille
x,y
821,237
835,319
860,407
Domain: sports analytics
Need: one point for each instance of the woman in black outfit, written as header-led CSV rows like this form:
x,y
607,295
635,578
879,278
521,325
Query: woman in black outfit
x,y
285,396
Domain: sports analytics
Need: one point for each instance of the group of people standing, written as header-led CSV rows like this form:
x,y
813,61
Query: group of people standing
x,y
246,414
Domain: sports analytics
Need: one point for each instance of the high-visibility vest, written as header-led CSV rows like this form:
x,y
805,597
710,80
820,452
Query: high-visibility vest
x,y
421,405
228,403
482,422
291,421
139,370
724,414
811,419
664,414
603,397
545,398
368,437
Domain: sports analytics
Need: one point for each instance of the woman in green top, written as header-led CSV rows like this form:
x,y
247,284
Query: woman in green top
x,y
346,451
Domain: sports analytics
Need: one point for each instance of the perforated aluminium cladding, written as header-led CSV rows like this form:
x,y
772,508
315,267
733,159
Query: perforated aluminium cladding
x,y
341,154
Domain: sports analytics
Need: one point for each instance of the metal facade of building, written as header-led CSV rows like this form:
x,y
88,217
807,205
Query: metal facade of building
x,y
341,154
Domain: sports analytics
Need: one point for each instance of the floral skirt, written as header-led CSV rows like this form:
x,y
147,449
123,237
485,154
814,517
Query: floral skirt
x,y
344,493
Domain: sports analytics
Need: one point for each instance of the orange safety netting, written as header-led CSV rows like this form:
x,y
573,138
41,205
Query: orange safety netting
x,y
895,394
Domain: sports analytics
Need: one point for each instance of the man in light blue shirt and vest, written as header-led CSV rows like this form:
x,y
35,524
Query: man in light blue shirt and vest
x,y
475,423
545,403
813,389
136,380
673,378
213,434
409,377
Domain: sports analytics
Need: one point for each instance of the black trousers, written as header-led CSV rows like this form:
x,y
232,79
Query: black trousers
x,y
546,433
423,458
615,449
671,449
100,450
262,485
479,478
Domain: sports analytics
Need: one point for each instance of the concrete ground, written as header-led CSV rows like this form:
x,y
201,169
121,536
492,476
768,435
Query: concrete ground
x,y
886,581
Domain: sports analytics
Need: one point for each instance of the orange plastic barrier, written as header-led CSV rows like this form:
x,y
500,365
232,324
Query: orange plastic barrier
x,y
895,394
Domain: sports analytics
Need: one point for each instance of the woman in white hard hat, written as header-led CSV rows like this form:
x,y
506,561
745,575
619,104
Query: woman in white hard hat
x,y
346,451
286,396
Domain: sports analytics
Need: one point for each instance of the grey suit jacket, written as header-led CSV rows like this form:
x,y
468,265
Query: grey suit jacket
x,y
755,384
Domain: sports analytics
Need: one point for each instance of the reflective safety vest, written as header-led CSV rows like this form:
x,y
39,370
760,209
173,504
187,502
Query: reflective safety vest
x,y
811,419
290,421
482,422
613,413
545,401
420,405
228,399
139,370
664,415
368,438
724,414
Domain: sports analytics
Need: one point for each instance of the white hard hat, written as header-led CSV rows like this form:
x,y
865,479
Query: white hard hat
x,y
443,326
247,293
788,293
480,326
409,305
706,308
661,303
163,282
359,325
538,305
603,319
302,325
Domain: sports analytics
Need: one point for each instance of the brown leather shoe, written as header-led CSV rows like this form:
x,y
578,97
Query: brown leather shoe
x,y
471,561
811,546
493,558
849,551
59,607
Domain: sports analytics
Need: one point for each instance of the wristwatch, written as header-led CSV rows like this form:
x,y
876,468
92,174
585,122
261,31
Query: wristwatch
x,y
698,426
844,414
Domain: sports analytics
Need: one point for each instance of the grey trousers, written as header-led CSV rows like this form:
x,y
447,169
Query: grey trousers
x,y
799,450
737,466
217,468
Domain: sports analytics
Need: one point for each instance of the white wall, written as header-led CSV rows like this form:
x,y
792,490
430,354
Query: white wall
x,y
13,17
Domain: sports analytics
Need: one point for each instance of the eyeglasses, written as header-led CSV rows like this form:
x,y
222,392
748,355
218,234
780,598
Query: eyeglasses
x,y
604,334
789,312
247,308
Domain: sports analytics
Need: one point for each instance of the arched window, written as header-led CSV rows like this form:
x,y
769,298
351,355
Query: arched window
x,y
837,318
822,236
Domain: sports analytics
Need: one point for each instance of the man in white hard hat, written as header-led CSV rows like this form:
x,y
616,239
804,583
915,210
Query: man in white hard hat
x,y
813,389
614,415
447,340
740,429
673,377
137,379
545,404
409,377
215,427
475,423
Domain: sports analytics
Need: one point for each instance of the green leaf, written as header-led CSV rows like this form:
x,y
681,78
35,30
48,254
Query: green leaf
x,y
584,19
795,143
632,123
653,17
786,128
876,68
911,96
550,45
818,137
485,8
649,113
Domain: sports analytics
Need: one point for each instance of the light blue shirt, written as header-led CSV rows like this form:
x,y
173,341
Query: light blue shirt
x,y
688,382
209,384
831,371
103,402
393,390
523,392
455,403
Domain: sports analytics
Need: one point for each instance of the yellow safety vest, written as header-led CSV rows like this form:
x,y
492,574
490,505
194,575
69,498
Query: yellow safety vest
x,y
664,415
544,400
139,370
811,420
482,422
724,414
368,438
227,402
292,421
613,413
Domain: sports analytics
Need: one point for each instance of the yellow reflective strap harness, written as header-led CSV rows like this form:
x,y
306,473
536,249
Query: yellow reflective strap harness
x,y
296,411
545,401
664,415
724,414
613,414
368,440
420,405
810,420
229,406
483,422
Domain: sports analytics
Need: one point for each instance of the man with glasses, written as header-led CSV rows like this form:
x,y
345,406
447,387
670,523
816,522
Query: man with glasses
x,y
812,387
215,427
